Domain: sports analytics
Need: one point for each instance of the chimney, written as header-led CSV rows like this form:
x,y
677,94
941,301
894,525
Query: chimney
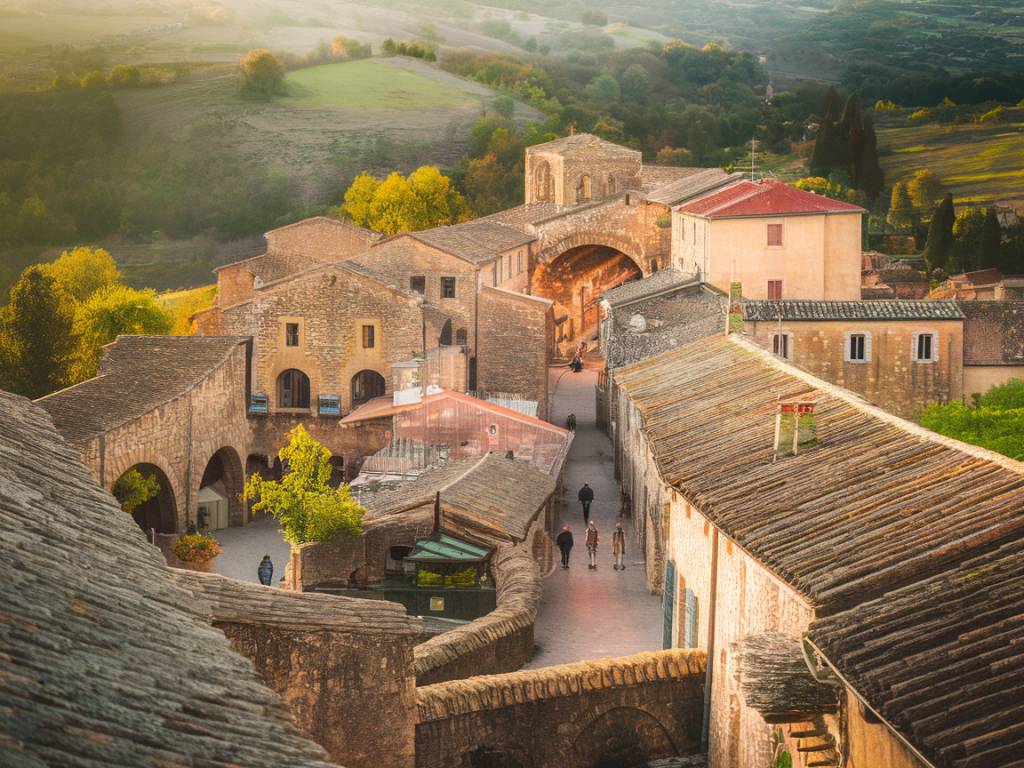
x,y
790,417
509,455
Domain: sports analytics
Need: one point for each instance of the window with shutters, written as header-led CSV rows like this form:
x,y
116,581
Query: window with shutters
x,y
774,235
668,603
857,347
774,290
690,619
925,347
368,339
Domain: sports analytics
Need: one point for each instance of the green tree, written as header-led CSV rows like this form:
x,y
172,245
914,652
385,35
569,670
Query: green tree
x,y
603,91
996,423
93,81
991,239
302,501
424,199
82,271
871,179
968,230
133,489
828,188
901,209
489,186
125,76
113,311
939,246
262,73
678,156
925,189
38,335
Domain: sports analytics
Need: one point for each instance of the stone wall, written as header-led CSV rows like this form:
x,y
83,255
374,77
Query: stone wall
x,y
515,334
320,239
343,666
890,378
622,711
502,640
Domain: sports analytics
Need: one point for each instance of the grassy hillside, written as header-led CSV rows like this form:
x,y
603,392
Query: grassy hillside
x,y
981,163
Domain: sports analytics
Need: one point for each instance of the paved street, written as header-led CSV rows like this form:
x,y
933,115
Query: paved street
x,y
243,548
588,614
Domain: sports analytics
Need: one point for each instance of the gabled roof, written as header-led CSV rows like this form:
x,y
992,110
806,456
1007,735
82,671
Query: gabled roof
x,y
661,282
104,659
498,495
578,143
875,504
942,661
764,198
686,186
136,375
478,241
882,309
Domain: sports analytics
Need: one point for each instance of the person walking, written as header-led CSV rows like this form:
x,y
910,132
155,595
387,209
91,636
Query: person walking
x,y
586,495
564,542
619,547
570,422
592,539
266,571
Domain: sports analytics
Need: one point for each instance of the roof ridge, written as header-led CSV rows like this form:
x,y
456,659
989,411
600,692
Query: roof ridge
x,y
861,404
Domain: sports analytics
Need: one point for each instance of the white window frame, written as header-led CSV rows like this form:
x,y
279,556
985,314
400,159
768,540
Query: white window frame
x,y
847,336
787,339
935,347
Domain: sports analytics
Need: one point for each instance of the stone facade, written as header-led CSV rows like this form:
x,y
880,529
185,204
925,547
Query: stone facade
x,y
514,338
890,376
993,344
609,712
579,168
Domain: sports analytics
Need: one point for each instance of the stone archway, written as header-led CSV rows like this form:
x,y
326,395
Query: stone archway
x,y
160,513
575,279
366,385
622,737
223,476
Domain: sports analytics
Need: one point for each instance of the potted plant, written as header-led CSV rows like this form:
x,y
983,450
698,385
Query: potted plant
x,y
196,551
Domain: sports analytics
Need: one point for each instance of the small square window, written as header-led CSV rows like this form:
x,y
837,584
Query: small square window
x,y
291,334
780,345
447,287
857,351
774,290
368,338
774,234
418,284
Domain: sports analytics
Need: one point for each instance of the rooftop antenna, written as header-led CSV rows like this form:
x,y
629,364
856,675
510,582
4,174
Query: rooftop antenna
x,y
753,148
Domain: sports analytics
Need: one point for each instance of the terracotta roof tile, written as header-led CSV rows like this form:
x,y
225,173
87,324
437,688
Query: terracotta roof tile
x,y
764,198
883,309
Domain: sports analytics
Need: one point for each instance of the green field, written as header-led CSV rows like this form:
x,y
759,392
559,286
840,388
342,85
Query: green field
x,y
374,84
981,163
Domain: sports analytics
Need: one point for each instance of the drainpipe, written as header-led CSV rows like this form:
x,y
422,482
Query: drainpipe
x,y
710,666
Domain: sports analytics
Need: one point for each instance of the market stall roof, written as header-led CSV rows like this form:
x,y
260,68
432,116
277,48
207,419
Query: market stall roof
x,y
447,549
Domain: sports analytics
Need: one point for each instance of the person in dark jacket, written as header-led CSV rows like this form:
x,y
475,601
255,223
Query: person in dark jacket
x,y
564,542
586,495
619,547
266,571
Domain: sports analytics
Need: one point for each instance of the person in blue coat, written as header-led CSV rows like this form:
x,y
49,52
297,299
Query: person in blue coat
x,y
266,571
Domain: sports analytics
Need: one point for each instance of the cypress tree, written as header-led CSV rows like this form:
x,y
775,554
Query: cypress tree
x,y
851,135
37,335
826,145
872,178
991,239
901,209
940,235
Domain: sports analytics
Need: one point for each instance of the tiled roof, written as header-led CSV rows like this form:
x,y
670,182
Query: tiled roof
x,y
764,198
137,374
942,661
523,216
979,277
104,659
875,504
881,309
579,142
477,241
698,181
502,496
636,290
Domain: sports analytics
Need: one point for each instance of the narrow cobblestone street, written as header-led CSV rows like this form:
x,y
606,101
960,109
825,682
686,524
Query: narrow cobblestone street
x,y
587,614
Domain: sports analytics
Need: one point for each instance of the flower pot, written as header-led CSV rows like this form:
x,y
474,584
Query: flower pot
x,y
206,566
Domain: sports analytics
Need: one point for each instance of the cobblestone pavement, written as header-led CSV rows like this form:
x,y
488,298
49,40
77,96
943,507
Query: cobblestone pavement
x,y
588,614
243,548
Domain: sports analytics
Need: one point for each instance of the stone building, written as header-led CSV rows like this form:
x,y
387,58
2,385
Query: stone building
x,y
900,354
778,241
173,407
579,168
993,344
756,548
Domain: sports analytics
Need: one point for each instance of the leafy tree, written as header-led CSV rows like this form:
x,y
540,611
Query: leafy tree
x,y
968,230
302,501
38,335
424,199
925,188
347,48
991,239
636,83
93,81
262,73
504,105
993,427
829,188
112,311
604,91
359,198
125,76
939,246
678,156
488,185
134,489
82,271
1004,396
901,209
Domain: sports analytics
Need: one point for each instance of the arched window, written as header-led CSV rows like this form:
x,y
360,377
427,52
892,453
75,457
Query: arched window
x,y
461,337
445,339
293,389
542,186
583,189
366,385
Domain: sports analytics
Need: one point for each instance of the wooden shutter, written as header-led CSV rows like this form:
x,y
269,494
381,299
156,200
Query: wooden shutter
x,y
690,620
668,603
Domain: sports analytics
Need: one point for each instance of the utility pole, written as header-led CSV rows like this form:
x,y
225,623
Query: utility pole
x,y
753,148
